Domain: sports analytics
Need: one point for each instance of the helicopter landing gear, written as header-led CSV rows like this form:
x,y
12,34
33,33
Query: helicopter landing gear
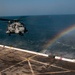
x,y
20,33
9,34
25,30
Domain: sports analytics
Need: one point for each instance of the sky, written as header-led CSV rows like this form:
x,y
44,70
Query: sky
x,y
36,7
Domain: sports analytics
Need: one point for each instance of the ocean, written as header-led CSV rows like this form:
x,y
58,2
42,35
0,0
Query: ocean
x,y
50,34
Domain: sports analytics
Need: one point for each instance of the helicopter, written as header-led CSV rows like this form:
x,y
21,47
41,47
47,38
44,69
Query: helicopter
x,y
15,26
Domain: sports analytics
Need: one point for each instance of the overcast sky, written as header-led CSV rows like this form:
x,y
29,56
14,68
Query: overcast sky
x,y
36,7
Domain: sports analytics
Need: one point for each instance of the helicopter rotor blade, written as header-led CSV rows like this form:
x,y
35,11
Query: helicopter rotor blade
x,y
19,19
12,20
4,19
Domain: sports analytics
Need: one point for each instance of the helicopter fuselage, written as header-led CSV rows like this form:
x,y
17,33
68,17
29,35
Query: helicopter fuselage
x,y
16,27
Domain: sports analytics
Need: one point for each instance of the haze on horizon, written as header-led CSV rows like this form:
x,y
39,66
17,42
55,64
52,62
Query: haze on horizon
x,y
36,7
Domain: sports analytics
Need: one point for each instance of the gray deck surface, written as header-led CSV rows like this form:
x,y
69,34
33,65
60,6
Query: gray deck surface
x,y
13,62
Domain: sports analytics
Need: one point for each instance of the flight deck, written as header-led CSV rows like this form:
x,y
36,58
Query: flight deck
x,y
14,61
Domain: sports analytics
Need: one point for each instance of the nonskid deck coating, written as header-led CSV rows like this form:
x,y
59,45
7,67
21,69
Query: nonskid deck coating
x,y
14,62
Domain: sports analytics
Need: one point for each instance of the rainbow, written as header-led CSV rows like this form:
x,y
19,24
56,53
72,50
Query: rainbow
x,y
67,30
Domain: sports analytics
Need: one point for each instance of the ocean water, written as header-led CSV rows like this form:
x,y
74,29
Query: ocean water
x,y
41,29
